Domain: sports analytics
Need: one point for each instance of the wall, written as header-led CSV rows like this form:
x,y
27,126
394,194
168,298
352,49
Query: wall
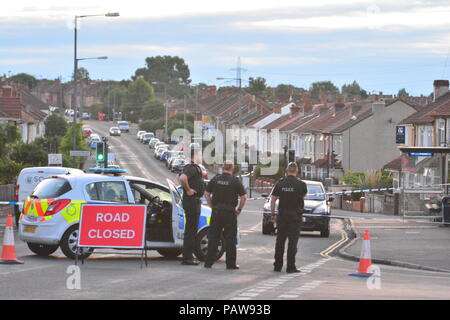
x,y
370,144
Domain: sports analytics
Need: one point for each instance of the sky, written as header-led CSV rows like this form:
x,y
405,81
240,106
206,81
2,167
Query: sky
x,y
383,45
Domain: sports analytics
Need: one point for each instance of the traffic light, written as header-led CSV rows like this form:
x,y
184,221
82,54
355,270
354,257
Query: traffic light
x,y
100,152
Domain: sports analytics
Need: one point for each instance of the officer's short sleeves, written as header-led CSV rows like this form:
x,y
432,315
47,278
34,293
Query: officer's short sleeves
x,y
277,190
303,188
189,170
211,184
240,188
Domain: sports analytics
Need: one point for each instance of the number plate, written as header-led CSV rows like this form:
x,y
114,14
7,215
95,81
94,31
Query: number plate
x,y
30,229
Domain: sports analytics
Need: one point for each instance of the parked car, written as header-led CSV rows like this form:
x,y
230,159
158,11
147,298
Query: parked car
x,y
159,151
152,143
172,154
123,126
139,133
177,165
114,131
146,137
86,131
93,142
204,172
85,116
316,201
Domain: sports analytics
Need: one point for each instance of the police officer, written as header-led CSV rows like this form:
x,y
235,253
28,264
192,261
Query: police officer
x,y
222,195
290,191
191,180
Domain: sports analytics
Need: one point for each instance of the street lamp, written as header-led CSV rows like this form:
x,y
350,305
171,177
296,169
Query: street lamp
x,y
75,67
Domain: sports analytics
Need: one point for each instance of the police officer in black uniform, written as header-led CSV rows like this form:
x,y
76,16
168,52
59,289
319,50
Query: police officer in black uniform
x,y
290,191
222,194
191,180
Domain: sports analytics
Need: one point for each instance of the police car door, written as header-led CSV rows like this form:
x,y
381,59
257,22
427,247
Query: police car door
x,y
177,213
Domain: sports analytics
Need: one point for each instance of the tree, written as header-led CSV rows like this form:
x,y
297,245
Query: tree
x,y
164,69
114,98
55,126
153,109
67,145
326,87
402,93
82,74
257,85
25,79
138,93
354,89
29,154
9,135
172,71
284,91
151,125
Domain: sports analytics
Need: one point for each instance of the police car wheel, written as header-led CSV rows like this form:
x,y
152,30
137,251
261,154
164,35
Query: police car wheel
x,y
42,249
201,247
68,244
170,253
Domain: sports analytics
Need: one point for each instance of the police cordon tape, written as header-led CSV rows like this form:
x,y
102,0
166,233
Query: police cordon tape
x,y
6,203
337,192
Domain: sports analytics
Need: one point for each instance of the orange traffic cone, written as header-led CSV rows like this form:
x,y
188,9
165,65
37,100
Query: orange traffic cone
x,y
9,250
365,260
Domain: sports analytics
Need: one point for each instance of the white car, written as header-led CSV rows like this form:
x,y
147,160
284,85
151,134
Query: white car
x,y
160,149
51,214
152,143
139,133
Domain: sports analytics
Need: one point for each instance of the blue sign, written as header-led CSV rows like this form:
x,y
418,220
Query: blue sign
x,y
421,154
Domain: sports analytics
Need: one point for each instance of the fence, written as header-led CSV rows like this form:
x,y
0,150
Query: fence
x,y
7,194
422,203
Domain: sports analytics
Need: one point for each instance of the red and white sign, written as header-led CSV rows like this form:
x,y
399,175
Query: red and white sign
x,y
112,226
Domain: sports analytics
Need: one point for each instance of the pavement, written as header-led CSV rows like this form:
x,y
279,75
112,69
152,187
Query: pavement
x,y
414,244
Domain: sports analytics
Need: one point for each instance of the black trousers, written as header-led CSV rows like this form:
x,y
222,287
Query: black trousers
x,y
192,208
222,219
288,227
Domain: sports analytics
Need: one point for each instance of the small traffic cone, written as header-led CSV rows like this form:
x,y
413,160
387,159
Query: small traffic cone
x,y
9,250
365,260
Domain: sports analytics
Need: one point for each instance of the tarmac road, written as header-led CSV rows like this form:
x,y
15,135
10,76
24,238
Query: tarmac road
x,y
110,274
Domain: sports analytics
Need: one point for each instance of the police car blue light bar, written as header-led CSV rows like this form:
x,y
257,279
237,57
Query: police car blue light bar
x,y
107,170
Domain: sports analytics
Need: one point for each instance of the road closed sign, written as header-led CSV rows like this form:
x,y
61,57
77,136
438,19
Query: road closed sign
x,y
112,226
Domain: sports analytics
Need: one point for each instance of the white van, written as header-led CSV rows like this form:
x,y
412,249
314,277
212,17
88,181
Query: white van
x,y
29,178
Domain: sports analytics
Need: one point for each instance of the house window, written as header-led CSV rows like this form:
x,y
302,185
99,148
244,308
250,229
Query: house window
x,y
441,133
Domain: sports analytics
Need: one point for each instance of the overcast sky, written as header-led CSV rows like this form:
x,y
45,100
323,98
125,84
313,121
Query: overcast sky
x,y
384,45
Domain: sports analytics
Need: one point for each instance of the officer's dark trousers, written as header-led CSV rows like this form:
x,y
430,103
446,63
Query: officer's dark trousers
x,y
222,219
288,227
192,207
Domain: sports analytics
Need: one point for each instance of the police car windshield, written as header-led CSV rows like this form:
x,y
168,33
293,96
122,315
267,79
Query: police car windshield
x,y
315,192
51,188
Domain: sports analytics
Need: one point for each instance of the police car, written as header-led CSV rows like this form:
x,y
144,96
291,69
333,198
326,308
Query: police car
x,y
50,216
316,202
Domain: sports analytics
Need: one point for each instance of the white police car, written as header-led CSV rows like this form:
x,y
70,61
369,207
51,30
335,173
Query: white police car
x,y
50,216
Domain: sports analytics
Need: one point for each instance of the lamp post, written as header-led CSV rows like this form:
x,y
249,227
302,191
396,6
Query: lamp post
x,y
75,67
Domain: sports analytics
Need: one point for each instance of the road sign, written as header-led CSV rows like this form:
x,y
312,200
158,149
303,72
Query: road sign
x,y
80,153
55,159
112,226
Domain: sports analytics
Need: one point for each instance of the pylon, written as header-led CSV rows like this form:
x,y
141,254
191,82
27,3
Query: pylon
x,y
365,260
9,250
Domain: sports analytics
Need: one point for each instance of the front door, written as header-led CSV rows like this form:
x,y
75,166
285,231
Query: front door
x,y
177,213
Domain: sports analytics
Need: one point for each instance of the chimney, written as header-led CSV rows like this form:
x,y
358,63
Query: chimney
x,y
440,88
295,109
338,107
277,109
308,106
378,106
